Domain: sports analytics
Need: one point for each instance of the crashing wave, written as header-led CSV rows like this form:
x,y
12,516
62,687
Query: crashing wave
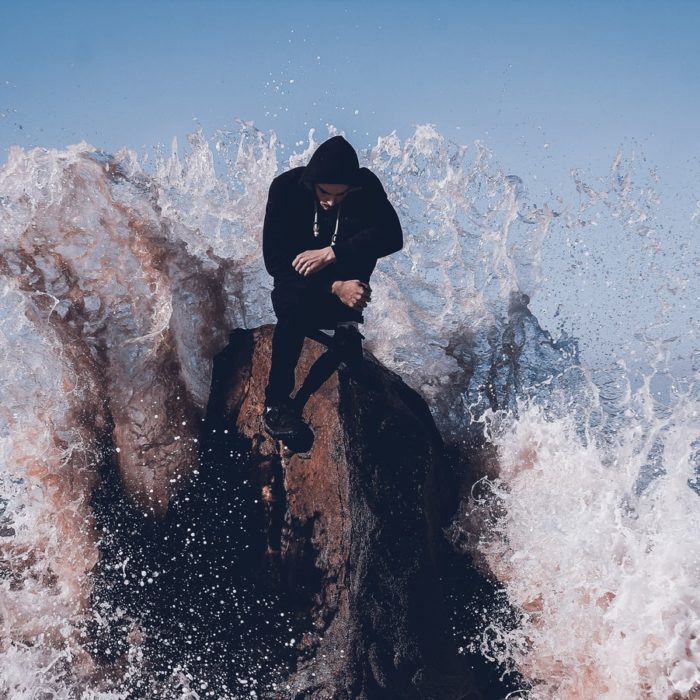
x,y
122,281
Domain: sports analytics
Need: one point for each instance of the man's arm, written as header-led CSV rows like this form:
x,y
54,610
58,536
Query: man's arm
x,y
278,241
383,237
311,261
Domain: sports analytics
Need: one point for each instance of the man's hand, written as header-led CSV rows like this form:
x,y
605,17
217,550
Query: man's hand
x,y
353,293
311,261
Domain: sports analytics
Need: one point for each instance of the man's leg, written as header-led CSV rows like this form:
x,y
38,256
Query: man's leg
x,y
292,306
299,313
345,346
319,372
287,342
347,342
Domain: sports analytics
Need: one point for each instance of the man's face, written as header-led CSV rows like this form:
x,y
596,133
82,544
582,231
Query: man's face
x,y
330,195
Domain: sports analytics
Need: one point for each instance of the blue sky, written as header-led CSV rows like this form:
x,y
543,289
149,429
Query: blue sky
x,y
585,78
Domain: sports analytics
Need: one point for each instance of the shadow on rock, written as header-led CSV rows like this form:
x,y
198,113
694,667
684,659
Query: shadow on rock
x,y
320,577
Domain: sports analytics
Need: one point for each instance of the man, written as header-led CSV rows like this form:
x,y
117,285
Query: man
x,y
326,225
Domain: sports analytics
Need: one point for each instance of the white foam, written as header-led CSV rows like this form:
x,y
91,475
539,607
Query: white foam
x,y
115,270
602,572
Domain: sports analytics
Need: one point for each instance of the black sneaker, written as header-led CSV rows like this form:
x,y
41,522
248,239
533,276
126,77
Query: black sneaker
x,y
281,418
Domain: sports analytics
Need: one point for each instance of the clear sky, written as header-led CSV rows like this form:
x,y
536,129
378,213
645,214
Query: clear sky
x,y
584,78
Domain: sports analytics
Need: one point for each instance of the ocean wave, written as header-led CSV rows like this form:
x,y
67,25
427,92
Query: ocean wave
x,y
121,281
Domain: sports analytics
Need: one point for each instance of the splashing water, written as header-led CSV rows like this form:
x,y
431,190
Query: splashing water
x,y
602,571
120,284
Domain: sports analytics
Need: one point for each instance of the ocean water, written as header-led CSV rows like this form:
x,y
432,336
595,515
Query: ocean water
x,y
555,342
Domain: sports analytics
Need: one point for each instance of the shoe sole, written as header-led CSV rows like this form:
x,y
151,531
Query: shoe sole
x,y
279,434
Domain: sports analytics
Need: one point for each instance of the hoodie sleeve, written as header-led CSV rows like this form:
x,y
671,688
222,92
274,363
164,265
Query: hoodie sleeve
x,y
278,240
382,237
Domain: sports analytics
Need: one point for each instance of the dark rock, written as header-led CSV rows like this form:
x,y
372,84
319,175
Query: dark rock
x,y
354,529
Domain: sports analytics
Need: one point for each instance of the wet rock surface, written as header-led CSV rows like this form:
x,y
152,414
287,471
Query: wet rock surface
x,y
354,531
324,575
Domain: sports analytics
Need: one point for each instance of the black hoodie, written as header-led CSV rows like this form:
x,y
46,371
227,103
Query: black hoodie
x,y
368,227
334,163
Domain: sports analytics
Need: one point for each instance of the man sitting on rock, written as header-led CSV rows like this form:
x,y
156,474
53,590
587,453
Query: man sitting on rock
x,y
326,225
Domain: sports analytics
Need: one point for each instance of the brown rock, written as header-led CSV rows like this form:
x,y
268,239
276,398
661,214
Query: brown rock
x,y
359,544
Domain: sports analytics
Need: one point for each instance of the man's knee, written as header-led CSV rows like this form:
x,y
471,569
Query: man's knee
x,y
305,313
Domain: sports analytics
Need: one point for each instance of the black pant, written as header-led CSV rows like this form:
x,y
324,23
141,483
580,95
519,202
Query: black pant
x,y
301,311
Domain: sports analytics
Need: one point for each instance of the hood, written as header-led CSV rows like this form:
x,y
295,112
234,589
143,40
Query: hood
x,y
334,163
